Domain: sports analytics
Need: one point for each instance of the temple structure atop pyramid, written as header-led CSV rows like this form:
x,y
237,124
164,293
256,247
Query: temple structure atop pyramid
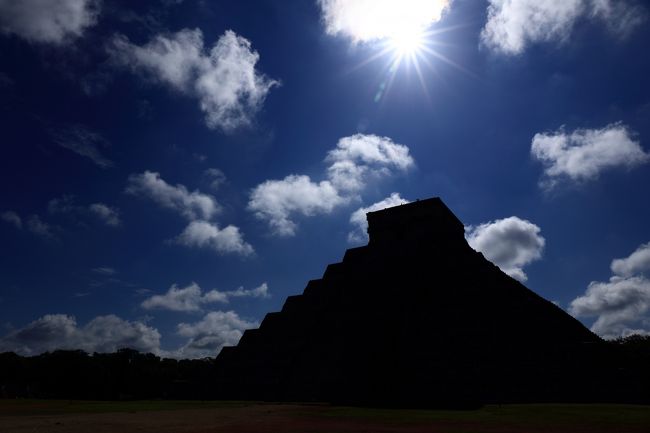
x,y
414,318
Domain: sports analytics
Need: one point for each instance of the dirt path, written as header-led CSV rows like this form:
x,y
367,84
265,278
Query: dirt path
x,y
262,418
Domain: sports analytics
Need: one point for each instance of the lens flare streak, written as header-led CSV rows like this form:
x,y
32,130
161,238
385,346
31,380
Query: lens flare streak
x,y
414,48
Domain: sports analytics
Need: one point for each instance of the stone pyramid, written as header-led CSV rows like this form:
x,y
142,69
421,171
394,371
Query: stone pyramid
x,y
415,318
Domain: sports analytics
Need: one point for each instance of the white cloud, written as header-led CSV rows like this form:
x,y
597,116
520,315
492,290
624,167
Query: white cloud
x,y
358,218
513,24
621,16
12,218
84,142
192,205
229,88
371,150
510,243
275,200
188,298
102,334
352,163
55,22
584,153
261,291
39,227
66,205
203,234
636,263
368,20
34,224
192,298
208,336
622,304
196,207
360,155
109,333
215,178
109,215
105,270
171,59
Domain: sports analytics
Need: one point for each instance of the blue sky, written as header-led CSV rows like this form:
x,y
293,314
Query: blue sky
x,y
173,170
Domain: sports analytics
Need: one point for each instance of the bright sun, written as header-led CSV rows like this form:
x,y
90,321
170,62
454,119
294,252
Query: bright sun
x,y
402,31
365,21
407,42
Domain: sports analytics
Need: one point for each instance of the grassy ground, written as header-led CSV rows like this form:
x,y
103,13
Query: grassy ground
x,y
538,415
248,417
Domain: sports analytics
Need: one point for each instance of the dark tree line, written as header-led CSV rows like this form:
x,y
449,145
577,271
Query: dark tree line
x,y
128,374
633,356
123,375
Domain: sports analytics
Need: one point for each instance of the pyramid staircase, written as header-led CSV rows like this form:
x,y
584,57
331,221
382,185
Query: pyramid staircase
x,y
416,317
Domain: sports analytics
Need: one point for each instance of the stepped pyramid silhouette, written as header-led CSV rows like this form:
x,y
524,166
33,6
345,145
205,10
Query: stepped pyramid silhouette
x,y
415,318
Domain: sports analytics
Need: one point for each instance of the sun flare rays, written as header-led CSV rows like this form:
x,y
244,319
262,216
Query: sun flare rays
x,y
402,34
416,50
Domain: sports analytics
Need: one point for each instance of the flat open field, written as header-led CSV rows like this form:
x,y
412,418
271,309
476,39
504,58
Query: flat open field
x,y
245,417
